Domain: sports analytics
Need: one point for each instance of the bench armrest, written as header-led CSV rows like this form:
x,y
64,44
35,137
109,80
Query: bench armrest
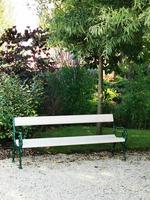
x,y
121,130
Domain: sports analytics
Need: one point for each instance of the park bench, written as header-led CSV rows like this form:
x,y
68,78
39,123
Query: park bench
x,y
21,143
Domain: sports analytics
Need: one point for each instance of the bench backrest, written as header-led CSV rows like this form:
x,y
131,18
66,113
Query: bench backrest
x,y
66,119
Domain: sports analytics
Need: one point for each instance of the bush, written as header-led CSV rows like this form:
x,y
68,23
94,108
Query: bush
x,y
77,89
134,109
16,99
68,91
51,101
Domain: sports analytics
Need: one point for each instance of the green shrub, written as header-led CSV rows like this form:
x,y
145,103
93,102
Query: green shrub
x,y
16,99
51,100
134,109
77,89
68,91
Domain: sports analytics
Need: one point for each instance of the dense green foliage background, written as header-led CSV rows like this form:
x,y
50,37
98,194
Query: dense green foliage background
x,y
116,31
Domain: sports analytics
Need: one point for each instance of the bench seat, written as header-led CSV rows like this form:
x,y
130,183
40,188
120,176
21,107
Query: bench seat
x,y
64,141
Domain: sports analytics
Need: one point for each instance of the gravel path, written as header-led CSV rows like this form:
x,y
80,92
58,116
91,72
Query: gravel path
x,y
76,177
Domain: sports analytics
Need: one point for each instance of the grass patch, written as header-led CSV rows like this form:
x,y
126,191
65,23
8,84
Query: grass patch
x,y
137,139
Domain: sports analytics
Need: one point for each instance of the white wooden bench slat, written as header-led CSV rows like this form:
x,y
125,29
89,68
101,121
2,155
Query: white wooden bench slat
x,y
64,141
68,119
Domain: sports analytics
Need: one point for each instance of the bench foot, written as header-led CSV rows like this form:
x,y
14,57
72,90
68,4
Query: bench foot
x,y
20,158
13,154
124,151
113,149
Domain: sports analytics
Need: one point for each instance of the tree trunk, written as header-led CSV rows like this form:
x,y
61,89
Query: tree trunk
x,y
100,93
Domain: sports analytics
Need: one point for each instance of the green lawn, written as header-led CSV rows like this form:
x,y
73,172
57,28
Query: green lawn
x,y
137,139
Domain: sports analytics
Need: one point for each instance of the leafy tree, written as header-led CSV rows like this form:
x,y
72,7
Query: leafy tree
x,y
105,30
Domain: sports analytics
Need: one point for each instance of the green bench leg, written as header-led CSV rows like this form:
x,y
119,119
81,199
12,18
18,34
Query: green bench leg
x,y
20,149
20,157
124,149
113,149
13,154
